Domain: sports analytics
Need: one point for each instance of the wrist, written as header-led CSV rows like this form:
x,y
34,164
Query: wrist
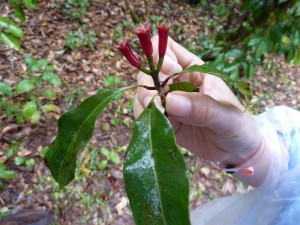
x,y
272,164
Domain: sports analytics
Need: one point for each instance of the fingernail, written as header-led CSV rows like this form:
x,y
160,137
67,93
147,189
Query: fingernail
x,y
178,105
171,65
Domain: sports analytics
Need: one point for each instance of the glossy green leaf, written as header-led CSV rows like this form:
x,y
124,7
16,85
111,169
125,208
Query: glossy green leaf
x,y
183,86
5,89
206,68
7,174
11,27
239,86
155,175
24,86
75,129
10,40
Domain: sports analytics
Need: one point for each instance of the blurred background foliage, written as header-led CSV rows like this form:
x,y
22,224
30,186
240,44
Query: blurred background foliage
x,y
246,32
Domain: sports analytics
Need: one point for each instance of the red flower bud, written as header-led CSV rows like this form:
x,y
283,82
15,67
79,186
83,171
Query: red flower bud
x,y
143,33
163,31
124,47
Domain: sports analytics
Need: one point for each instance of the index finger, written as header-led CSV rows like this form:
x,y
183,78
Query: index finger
x,y
178,53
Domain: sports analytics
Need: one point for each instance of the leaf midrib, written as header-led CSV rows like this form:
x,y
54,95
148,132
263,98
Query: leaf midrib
x,y
154,171
75,136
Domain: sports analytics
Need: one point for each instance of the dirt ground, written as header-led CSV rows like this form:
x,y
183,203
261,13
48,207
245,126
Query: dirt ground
x,y
97,196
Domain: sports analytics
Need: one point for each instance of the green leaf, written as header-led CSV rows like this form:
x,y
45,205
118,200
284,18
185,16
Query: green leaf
x,y
275,34
114,157
35,117
49,107
9,153
75,129
5,89
19,12
11,27
30,163
234,53
253,41
49,93
19,160
43,62
282,1
105,152
261,49
30,60
183,86
206,68
2,166
243,88
7,174
112,80
102,165
10,40
24,86
49,68
52,78
29,109
155,175
31,4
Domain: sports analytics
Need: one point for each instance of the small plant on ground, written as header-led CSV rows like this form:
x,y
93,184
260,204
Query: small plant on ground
x,y
74,9
5,174
81,37
37,83
155,175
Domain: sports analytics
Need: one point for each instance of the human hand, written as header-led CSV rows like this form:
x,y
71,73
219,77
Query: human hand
x,y
212,123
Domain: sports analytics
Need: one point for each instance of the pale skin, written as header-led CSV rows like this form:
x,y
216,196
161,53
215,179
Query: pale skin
x,y
212,123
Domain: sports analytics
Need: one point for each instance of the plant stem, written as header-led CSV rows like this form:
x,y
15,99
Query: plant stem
x,y
159,64
163,83
151,63
158,87
144,70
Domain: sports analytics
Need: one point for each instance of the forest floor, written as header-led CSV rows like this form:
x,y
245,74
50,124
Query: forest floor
x,y
97,195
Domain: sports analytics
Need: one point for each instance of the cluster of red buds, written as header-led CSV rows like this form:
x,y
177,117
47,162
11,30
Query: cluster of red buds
x,y
143,34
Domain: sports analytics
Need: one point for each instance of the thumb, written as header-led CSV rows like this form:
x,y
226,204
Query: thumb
x,y
198,109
